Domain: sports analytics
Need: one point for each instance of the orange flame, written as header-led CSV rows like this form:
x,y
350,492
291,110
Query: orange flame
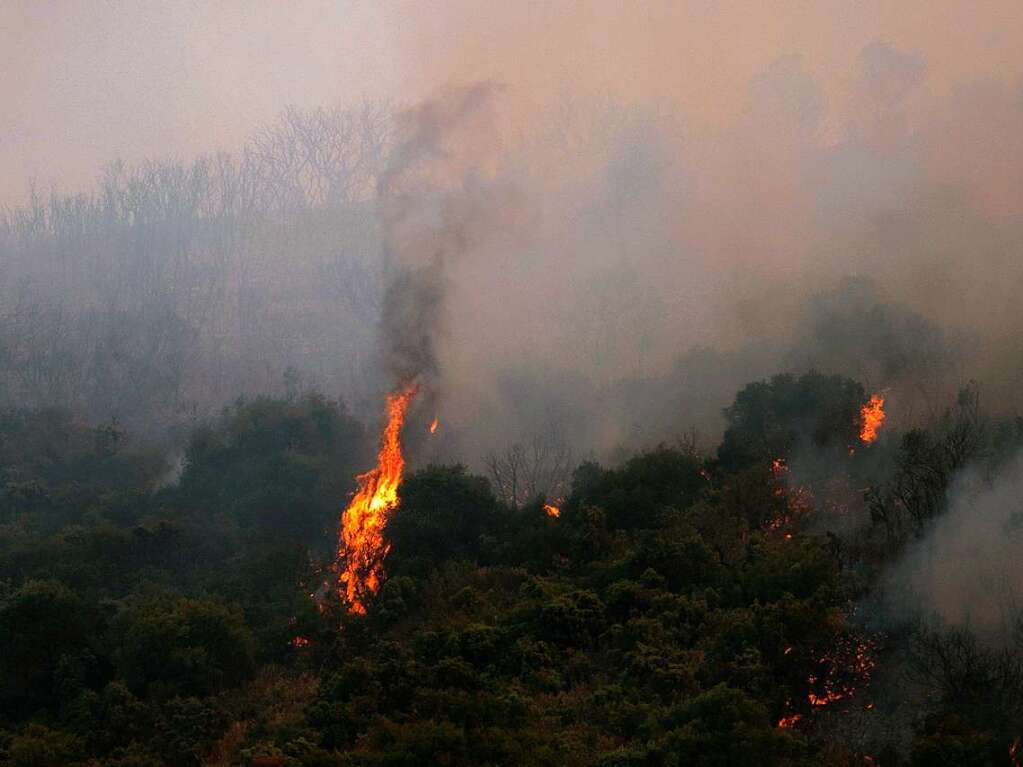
x,y
552,511
362,546
788,721
840,674
872,414
433,425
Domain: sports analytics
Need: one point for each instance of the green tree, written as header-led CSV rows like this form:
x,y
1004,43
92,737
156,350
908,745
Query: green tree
x,y
39,746
445,513
41,622
773,418
278,466
168,645
635,495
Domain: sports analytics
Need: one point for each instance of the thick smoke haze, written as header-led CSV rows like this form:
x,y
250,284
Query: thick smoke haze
x,y
599,218
966,569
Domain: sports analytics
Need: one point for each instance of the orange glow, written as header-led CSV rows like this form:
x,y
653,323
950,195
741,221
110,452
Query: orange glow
x,y
872,414
1014,754
787,721
838,675
842,671
829,696
433,425
299,642
362,547
552,511
798,499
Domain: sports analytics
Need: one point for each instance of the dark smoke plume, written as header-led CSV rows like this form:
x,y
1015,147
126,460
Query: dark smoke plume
x,y
435,198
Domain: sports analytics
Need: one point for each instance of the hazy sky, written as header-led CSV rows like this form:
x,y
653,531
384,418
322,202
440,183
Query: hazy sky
x,y
86,81
651,176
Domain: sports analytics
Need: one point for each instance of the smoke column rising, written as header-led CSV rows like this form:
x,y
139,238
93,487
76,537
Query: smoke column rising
x,y
435,200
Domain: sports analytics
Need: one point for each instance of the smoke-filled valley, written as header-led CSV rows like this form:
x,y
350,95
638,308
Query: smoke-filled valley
x,y
591,387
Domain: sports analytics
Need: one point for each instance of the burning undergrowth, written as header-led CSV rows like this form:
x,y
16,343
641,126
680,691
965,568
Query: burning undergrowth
x,y
839,674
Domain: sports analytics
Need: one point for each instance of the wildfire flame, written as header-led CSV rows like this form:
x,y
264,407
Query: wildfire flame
x,y
839,674
872,415
787,721
798,499
433,425
362,546
842,671
552,511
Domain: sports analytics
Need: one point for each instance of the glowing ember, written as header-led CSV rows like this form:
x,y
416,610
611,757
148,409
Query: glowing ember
x,y
787,721
843,670
552,511
838,675
1014,753
362,546
433,425
299,642
872,414
798,499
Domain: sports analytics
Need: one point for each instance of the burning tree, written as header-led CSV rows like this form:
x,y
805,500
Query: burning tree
x,y
427,222
362,546
927,463
773,418
872,415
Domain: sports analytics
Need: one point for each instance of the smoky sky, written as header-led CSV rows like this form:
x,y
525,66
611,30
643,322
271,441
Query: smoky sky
x,y
87,82
646,189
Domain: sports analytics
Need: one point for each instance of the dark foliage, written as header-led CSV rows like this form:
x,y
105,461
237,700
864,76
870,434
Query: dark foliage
x,y
281,467
772,419
664,618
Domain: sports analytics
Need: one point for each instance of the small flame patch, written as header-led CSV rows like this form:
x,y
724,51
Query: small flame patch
x,y
872,415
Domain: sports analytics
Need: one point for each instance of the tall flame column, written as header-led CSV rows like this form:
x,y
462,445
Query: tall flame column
x,y
362,548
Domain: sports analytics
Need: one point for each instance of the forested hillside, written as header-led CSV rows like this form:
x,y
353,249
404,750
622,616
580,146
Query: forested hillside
x,y
680,608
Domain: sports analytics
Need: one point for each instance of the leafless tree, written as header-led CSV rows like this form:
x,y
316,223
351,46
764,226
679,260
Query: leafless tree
x,y
927,465
542,468
963,670
179,286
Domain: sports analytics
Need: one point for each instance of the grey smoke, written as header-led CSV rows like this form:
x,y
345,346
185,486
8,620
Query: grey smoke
x,y
967,569
597,259
435,202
